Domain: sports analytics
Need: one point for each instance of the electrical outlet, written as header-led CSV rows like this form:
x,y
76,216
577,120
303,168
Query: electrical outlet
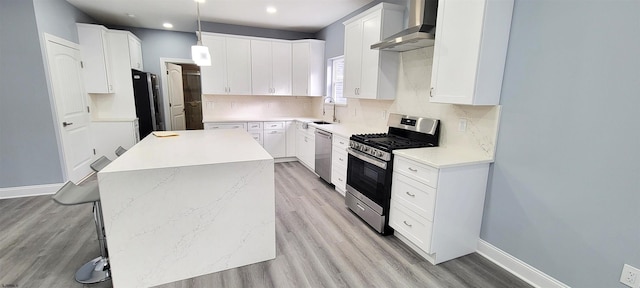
x,y
462,125
630,276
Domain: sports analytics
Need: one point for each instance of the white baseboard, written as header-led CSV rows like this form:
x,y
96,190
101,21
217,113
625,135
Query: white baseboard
x,y
517,267
28,191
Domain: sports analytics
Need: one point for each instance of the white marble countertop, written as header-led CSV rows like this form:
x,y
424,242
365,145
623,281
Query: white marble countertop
x,y
346,130
176,151
260,119
443,157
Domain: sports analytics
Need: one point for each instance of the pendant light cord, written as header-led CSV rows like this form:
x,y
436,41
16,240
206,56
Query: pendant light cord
x,y
199,27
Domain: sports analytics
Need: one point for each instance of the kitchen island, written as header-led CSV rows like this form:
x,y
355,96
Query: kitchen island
x,y
188,205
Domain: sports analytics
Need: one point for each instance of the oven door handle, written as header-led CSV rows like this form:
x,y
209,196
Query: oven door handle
x,y
367,158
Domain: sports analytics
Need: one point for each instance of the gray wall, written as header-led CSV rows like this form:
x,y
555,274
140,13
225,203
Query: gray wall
x,y
564,194
58,17
255,32
28,146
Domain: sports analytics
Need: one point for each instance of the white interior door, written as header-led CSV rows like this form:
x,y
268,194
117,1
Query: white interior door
x,y
176,96
71,106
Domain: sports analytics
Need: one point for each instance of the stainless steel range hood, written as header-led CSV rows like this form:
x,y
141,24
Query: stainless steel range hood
x,y
421,31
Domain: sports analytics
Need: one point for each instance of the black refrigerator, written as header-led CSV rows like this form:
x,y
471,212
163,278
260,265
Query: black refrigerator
x,y
145,91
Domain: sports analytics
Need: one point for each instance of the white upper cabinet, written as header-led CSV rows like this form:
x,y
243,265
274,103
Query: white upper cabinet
x,y
94,47
308,74
271,67
230,70
135,52
371,74
470,51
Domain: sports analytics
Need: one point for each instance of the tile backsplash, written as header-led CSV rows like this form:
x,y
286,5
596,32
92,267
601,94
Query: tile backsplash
x,y
412,98
244,106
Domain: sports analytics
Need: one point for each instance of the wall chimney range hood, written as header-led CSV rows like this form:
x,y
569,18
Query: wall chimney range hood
x,y
421,31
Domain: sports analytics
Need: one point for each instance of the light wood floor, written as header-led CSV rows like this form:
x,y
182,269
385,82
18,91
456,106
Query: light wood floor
x,y
319,244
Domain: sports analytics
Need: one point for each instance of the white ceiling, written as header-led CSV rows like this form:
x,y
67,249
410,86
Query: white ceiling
x,y
293,15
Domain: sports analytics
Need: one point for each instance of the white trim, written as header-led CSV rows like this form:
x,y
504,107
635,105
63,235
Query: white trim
x,y
165,87
517,267
28,191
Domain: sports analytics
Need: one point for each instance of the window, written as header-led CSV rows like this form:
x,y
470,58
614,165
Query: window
x,y
335,78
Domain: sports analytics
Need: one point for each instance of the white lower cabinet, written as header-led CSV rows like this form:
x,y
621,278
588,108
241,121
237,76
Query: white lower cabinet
x,y
438,212
255,129
339,163
275,139
225,125
108,135
306,145
290,126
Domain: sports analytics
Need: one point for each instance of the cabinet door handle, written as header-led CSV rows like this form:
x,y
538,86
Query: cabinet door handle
x,y
412,195
362,208
405,223
274,132
340,179
413,170
341,143
431,92
340,159
65,124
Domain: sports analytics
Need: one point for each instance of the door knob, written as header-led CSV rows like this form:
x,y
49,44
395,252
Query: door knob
x,y
65,124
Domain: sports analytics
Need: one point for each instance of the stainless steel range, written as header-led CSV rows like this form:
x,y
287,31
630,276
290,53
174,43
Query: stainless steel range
x,y
369,168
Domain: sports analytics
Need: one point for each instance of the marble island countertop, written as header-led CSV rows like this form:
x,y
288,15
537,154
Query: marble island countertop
x,y
444,157
213,146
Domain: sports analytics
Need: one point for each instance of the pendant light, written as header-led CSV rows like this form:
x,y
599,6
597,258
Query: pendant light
x,y
200,53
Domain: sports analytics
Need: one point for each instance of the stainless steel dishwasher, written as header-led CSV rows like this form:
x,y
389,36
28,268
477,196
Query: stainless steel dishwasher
x,y
323,154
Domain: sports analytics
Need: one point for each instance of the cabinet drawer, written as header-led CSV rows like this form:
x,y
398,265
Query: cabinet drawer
x,y
254,126
226,125
258,136
339,157
339,177
340,142
410,225
413,169
415,195
273,125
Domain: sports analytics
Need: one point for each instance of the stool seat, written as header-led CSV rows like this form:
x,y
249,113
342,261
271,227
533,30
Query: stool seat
x,y
120,150
72,194
100,163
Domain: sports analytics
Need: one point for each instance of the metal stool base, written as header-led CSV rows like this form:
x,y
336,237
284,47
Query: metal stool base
x,y
94,271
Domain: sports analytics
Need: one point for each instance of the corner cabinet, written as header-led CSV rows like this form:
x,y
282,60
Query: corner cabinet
x,y
230,70
94,47
371,74
308,74
435,213
271,67
470,51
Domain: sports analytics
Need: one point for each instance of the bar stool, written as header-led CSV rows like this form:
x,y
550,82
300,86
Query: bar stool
x,y
100,163
96,270
120,151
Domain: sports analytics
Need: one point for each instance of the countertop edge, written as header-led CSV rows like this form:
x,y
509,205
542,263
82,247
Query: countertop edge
x,y
445,163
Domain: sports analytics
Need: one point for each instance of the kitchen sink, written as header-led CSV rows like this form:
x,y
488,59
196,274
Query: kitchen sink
x,y
321,122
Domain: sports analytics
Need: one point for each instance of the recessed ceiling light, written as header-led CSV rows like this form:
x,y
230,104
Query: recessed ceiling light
x,y
271,10
167,25
131,15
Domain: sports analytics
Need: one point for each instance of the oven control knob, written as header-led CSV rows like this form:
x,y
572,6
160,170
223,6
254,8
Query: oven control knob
x,y
379,154
365,149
